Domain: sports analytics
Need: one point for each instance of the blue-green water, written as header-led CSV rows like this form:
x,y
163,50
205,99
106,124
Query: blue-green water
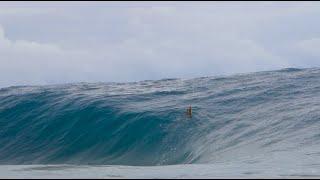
x,y
244,118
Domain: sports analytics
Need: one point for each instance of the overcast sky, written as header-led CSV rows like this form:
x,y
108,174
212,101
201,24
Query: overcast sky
x,y
63,42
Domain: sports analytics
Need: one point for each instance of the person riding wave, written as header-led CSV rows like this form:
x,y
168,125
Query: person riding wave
x,y
189,111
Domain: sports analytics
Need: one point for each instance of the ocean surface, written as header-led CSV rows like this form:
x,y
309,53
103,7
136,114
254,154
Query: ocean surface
x,y
263,124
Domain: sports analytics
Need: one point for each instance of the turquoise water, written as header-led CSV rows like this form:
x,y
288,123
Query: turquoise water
x,y
265,120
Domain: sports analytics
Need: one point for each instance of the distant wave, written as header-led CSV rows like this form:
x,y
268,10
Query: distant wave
x,y
144,123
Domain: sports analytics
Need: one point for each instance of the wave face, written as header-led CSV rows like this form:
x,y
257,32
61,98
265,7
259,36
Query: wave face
x,y
144,123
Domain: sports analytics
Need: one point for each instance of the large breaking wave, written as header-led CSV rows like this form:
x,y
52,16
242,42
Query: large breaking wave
x,y
144,123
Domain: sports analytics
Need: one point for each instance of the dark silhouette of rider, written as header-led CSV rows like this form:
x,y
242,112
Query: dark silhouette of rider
x,y
189,112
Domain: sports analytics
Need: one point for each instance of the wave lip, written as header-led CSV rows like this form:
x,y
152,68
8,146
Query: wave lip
x,y
235,118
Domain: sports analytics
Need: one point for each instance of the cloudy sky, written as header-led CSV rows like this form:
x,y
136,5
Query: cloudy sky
x,y
62,42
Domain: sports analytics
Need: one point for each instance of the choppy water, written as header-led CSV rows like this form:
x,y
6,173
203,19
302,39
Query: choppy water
x,y
264,124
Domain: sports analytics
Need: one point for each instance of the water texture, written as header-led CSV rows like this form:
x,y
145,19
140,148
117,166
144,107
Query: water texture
x,y
263,122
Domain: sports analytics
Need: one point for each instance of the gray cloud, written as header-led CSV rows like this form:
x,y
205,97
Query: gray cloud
x,y
61,43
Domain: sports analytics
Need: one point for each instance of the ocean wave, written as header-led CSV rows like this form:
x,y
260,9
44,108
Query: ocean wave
x,y
145,123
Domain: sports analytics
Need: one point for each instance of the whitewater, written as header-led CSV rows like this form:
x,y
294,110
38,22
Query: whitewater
x,y
264,124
